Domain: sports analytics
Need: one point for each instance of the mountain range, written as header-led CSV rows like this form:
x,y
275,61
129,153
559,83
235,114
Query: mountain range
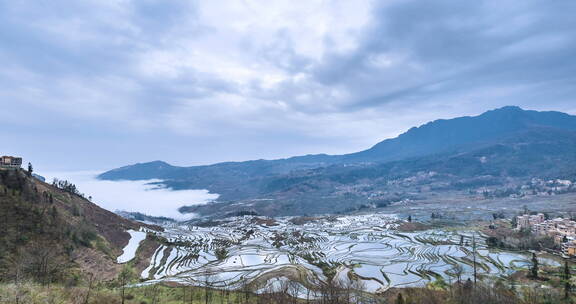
x,y
504,147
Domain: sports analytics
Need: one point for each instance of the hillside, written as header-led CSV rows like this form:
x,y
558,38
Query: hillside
x,y
505,146
503,167
50,234
231,180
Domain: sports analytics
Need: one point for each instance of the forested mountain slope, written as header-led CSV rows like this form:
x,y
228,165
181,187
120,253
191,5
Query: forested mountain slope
x,y
51,234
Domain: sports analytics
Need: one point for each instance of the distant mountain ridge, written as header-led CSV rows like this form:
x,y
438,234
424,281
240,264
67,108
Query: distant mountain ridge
x,y
445,134
434,137
520,143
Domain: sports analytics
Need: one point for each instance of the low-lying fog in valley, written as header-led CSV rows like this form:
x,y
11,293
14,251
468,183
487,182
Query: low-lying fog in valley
x,y
133,196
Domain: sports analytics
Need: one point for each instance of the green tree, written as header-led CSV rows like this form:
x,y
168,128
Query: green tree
x,y
400,299
221,253
567,276
534,268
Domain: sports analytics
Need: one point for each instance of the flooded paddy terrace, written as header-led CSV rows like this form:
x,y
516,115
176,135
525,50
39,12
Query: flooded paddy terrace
x,y
368,248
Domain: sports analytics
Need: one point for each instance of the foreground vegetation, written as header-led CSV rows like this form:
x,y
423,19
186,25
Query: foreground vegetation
x,y
34,293
539,285
466,292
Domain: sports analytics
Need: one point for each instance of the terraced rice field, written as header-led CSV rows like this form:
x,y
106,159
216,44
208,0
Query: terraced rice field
x,y
367,248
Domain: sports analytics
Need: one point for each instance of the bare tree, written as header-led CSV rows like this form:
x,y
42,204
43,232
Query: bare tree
x,y
294,289
245,290
125,277
458,270
358,287
17,264
474,256
90,285
190,282
208,278
567,276
154,294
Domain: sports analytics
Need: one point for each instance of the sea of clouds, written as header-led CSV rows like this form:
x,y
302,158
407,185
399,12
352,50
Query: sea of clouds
x,y
133,196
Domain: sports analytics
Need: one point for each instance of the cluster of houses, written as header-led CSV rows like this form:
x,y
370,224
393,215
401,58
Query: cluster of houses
x,y
554,186
562,230
10,162
536,186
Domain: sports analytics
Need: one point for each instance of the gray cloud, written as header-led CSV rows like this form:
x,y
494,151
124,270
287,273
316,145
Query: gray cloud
x,y
111,82
445,47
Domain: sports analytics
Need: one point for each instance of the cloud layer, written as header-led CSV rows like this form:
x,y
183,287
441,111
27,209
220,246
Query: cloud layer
x,y
134,196
107,83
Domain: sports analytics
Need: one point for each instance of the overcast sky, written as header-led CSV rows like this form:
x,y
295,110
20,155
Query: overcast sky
x,y
98,84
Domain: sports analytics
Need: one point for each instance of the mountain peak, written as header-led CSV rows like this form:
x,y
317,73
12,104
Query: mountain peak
x,y
150,170
157,163
505,111
508,109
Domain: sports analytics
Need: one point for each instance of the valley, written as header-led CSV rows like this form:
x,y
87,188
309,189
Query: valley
x,y
372,253
498,154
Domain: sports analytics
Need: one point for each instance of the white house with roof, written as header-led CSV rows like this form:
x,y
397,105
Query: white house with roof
x,y
11,162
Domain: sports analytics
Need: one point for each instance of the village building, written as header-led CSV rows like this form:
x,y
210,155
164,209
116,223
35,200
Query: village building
x,y
528,221
569,249
562,230
10,162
